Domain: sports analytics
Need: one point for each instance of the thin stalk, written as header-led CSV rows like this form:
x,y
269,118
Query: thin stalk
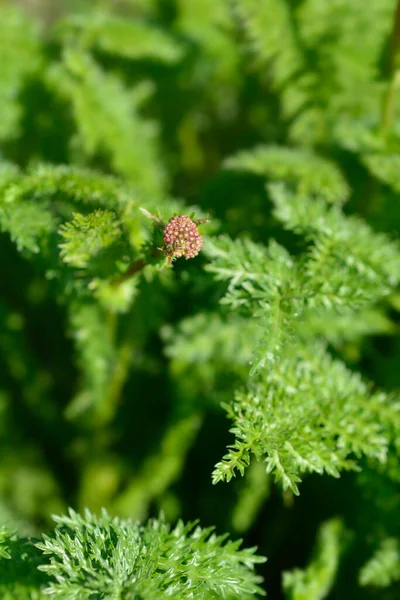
x,y
137,266
116,384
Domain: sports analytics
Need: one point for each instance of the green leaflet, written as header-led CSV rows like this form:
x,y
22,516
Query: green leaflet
x,y
129,39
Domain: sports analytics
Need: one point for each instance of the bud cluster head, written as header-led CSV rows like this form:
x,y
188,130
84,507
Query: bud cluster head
x,y
182,238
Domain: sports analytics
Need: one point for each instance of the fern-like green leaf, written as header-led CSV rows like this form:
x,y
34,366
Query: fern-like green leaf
x,y
107,117
308,173
108,557
86,235
349,263
308,414
260,280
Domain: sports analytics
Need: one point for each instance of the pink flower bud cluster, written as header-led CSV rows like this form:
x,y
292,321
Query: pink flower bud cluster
x,y
182,238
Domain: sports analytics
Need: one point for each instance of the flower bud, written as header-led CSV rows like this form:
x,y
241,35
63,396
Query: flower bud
x,y
182,238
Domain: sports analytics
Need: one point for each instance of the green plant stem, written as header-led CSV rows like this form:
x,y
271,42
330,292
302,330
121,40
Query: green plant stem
x,y
121,369
113,392
137,266
116,384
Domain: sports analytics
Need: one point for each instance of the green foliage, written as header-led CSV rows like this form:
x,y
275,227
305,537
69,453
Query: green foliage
x,y
26,224
106,557
321,62
107,118
384,567
20,58
96,353
256,277
19,574
4,548
60,184
340,419
117,369
252,497
363,264
87,235
130,39
308,173
209,24
346,266
216,339
384,167
159,471
316,581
